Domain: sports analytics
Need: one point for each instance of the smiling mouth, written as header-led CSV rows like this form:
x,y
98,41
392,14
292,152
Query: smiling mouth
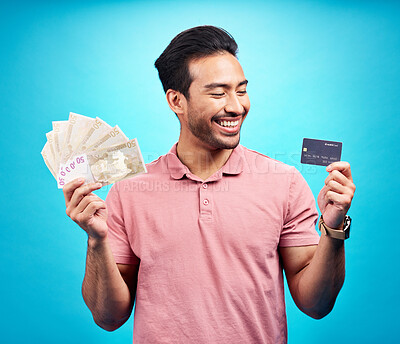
x,y
227,124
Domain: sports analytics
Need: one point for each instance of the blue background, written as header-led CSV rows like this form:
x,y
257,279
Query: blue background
x,y
319,69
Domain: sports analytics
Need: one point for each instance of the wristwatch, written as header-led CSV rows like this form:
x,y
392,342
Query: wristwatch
x,y
341,234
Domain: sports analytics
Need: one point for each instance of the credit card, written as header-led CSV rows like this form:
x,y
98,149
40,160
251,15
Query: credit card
x,y
320,152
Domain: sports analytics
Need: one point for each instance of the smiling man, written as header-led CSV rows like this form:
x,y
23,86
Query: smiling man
x,y
201,241
211,113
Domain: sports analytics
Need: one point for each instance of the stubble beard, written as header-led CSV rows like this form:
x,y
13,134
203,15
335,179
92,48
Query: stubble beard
x,y
203,131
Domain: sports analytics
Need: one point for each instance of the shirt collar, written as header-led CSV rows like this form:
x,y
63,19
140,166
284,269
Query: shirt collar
x,y
175,166
233,166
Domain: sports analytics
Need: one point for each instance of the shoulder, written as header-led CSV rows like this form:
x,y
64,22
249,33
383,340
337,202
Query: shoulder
x,y
259,163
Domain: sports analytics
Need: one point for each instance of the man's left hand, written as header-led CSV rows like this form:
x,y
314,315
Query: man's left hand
x,y
335,198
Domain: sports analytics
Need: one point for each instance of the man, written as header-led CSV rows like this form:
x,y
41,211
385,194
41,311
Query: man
x,y
201,239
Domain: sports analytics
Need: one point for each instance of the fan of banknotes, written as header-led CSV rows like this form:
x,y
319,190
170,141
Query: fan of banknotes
x,y
90,148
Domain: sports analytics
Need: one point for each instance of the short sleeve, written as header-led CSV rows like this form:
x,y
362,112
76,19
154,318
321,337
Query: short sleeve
x,y
117,235
302,215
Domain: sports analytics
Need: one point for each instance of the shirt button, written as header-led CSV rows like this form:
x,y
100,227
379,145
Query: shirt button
x,y
205,202
205,186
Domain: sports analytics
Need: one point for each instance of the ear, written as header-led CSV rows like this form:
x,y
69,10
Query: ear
x,y
176,101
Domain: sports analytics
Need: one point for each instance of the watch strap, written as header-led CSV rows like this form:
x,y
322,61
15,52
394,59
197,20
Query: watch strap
x,y
341,234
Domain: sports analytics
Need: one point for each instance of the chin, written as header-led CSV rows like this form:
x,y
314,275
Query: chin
x,y
221,144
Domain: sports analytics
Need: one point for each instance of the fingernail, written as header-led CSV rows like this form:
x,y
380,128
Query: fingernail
x,y
81,180
329,168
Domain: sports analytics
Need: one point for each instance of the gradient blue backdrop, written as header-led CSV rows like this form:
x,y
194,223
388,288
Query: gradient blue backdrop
x,y
319,69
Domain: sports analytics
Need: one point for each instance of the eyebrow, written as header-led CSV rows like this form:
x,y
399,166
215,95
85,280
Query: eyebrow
x,y
216,84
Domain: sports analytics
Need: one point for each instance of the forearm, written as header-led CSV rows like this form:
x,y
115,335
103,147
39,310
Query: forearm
x,y
103,289
319,283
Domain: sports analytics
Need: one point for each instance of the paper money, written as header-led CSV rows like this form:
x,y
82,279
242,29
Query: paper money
x,y
59,129
98,130
91,149
116,162
50,140
114,136
76,167
76,127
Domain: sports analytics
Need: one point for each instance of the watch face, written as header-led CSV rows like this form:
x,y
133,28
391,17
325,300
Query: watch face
x,y
346,226
347,222
347,232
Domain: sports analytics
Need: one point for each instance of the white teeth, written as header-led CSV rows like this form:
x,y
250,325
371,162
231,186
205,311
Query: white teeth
x,y
228,123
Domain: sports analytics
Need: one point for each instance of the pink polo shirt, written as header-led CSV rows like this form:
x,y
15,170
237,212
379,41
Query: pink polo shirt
x,y
208,250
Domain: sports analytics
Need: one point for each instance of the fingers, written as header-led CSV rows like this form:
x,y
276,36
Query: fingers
x,y
81,192
339,186
338,177
84,203
334,186
341,166
342,201
70,187
88,212
85,208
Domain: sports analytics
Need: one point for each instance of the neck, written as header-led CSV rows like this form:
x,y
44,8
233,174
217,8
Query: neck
x,y
201,160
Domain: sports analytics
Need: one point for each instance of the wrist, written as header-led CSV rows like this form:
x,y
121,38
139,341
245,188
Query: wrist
x,y
96,242
334,223
339,227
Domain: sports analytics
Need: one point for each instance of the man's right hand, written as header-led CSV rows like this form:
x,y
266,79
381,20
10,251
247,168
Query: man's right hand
x,y
85,208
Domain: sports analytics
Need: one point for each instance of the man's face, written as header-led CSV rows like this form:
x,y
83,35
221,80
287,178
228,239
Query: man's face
x,y
218,102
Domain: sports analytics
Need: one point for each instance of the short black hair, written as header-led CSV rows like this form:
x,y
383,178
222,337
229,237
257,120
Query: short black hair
x,y
194,43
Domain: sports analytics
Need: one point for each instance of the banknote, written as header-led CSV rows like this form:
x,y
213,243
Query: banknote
x,y
90,148
76,127
118,162
59,129
75,167
50,141
114,136
95,133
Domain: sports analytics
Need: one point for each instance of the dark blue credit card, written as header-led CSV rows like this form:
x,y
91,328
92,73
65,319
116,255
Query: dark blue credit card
x,y
320,152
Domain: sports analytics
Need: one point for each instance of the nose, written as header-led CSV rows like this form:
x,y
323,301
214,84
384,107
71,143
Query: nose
x,y
234,105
